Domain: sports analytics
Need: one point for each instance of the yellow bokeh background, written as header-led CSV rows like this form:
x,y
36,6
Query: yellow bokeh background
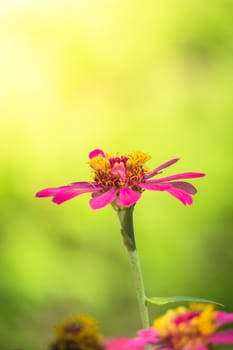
x,y
121,76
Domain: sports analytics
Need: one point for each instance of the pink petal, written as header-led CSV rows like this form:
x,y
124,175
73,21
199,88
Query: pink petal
x,y
128,197
223,318
119,171
132,343
102,200
52,191
184,318
181,195
64,193
198,347
120,344
68,193
84,184
179,176
48,192
225,337
150,185
145,336
185,186
148,333
162,166
96,152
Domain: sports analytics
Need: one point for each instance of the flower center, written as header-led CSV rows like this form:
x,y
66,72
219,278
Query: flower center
x,y
120,170
77,333
182,327
73,328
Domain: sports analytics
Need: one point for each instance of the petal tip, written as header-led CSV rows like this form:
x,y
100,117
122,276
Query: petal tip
x,y
96,152
47,192
55,201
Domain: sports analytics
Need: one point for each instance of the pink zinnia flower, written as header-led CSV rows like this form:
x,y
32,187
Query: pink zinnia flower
x,y
121,179
194,328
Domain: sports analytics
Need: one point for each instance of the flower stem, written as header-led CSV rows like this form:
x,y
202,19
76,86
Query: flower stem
x,y
125,216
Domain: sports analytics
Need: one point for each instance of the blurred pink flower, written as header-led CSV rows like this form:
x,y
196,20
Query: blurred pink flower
x,y
194,328
120,179
80,332
120,344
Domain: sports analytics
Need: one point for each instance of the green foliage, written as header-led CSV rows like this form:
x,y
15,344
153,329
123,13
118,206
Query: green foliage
x,y
178,299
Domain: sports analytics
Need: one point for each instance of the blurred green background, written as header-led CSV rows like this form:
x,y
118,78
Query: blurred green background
x,y
118,75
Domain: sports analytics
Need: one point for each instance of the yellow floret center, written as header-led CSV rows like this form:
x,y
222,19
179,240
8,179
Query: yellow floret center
x,y
187,327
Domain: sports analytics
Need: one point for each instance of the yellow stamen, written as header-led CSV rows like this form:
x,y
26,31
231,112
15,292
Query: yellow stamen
x,y
205,322
137,158
99,163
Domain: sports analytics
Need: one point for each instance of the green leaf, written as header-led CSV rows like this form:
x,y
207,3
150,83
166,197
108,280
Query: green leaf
x,y
167,300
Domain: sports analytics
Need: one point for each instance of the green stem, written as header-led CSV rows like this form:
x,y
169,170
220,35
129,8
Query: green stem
x,y
125,216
